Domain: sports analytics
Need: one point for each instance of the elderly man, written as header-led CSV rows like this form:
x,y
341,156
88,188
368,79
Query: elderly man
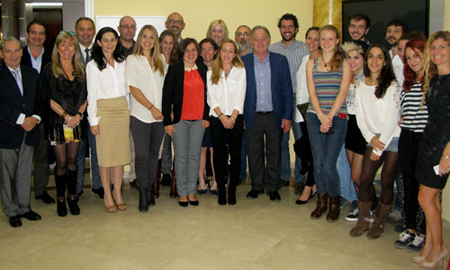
x,y
267,113
127,31
176,24
18,132
242,38
35,56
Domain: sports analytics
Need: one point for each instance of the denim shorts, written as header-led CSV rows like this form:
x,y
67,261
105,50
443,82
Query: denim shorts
x,y
392,147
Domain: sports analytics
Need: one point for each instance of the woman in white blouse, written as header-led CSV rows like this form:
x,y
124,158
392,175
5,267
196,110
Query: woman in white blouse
x,y
109,117
377,115
226,94
144,72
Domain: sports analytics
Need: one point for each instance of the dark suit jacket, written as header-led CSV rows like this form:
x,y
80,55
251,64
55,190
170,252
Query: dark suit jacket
x,y
281,89
173,92
12,104
26,58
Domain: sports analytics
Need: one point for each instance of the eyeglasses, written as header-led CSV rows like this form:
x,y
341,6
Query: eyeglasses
x,y
133,27
175,21
70,32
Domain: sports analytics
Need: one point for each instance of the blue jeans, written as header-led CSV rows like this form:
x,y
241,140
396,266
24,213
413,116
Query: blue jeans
x,y
325,149
95,173
347,187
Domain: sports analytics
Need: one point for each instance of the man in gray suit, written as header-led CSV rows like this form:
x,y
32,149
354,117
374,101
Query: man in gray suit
x,y
18,132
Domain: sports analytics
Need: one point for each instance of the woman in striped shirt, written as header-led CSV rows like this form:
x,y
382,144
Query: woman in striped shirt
x,y
328,79
413,122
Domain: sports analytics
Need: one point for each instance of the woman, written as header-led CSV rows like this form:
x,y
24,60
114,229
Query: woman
x,y
64,87
208,51
413,122
434,148
328,79
218,31
184,95
226,94
168,44
377,114
302,101
144,73
355,144
109,117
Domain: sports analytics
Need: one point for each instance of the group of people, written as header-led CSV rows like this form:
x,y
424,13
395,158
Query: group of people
x,y
127,100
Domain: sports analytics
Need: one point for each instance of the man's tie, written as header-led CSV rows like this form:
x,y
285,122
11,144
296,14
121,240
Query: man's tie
x,y
88,56
18,80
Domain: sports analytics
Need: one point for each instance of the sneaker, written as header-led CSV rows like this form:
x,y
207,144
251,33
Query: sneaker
x,y
417,244
353,216
404,239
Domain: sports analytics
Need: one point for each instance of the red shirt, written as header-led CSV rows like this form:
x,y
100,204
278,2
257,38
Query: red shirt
x,y
193,96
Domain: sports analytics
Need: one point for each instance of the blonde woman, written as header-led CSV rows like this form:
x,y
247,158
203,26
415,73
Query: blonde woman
x,y
218,31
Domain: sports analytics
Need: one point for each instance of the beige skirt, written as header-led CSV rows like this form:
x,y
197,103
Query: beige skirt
x,y
113,142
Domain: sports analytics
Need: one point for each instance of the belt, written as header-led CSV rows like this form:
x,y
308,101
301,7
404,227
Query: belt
x,y
264,112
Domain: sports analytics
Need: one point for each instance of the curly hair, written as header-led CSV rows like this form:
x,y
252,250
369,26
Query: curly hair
x,y
417,45
97,53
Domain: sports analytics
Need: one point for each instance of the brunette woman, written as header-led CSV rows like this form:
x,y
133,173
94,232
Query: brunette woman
x,y
108,112
226,94
64,87
377,115
328,78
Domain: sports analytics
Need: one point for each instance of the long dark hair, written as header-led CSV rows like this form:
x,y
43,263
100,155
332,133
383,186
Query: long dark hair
x,y
417,45
387,73
97,53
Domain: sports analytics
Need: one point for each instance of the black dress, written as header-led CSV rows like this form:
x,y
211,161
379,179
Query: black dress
x,y
70,95
436,134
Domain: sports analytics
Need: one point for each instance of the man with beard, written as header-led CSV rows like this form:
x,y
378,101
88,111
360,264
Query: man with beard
x,y
176,24
242,38
127,30
294,51
359,27
394,31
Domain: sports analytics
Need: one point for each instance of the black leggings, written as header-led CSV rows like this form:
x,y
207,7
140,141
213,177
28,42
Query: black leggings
x,y
389,161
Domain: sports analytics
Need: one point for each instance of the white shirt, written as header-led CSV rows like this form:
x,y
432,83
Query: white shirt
x,y
139,74
83,50
302,95
105,84
228,94
378,115
397,64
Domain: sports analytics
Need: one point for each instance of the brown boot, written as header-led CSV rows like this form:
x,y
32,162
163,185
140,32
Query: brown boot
x,y
377,227
157,180
334,209
363,219
322,201
173,183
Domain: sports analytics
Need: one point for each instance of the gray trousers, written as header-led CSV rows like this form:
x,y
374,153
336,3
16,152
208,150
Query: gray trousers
x,y
15,179
41,168
187,142
147,141
166,163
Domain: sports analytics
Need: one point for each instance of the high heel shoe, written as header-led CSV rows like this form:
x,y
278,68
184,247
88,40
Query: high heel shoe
x,y
439,260
122,206
418,259
300,202
111,209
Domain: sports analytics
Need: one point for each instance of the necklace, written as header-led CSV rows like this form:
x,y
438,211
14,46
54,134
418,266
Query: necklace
x,y
325,64
227,72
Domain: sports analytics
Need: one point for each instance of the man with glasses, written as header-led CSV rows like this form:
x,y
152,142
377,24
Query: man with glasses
x,y
176,24
127,30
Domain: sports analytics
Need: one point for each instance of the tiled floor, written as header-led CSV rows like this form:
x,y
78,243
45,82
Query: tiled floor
x,y
254,234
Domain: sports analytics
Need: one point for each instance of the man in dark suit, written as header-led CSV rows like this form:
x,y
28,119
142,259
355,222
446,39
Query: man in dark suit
x,y
267,113
18,132
35,56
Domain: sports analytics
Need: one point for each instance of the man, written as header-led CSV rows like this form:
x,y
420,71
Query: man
x,y
127,31
18,132
85,31
294,51
395,29
359,27
267,113
176,24
35,56
242,38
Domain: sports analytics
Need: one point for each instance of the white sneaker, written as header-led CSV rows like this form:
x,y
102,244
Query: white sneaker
x,y
353,216
417,244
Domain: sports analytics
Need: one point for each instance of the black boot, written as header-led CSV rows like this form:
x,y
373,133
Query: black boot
x,y
151,195
60,182
232,191
143,199
72,192
222,200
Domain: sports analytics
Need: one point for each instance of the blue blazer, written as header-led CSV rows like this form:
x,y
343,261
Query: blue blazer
x,y
282,96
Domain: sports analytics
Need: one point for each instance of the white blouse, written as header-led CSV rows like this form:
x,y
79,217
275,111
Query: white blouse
x,y
106,84
378,115
139,74
228,94
302,95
